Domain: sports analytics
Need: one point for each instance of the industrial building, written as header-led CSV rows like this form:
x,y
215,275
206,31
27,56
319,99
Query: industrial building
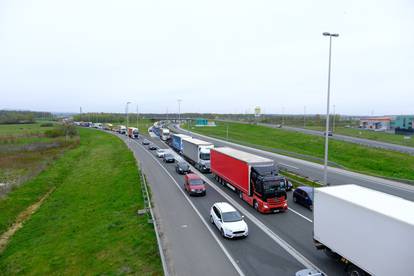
x,y
376,123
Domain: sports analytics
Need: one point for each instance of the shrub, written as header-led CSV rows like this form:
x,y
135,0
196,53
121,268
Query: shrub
x,y
46,125
55,132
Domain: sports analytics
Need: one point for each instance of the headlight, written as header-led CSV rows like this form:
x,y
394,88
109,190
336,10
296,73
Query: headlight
x,y
193,190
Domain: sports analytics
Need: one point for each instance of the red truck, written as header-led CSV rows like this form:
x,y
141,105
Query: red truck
x,y
253,177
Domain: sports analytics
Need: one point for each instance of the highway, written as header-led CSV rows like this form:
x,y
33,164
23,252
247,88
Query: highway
x,y
278,244
314,171
350,139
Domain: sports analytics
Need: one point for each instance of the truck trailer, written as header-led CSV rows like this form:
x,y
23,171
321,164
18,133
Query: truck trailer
x,y
253,177
197,153
176,142
371,232
133,132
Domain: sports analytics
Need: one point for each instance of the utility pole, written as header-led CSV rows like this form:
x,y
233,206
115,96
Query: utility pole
x,y
333,121
304,116
126,114
325,173
179,110
137,119
283,115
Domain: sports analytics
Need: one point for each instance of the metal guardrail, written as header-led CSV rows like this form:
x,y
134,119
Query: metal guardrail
x,y
152,219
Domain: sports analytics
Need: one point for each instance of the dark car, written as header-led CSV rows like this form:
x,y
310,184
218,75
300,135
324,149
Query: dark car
x,y
145,142
304,195
329,133
152,147
182,168
168,158
194,185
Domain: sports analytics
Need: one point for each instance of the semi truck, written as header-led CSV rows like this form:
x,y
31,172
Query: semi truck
x,y
133,132
254,178
165,134
177,142
197,153
371,232
122,130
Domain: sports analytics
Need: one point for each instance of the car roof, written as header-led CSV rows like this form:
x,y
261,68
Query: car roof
x,y
225,207
193,176
306,189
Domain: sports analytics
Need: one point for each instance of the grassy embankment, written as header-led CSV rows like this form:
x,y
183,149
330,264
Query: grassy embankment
x,y
88,225
351,156
372,135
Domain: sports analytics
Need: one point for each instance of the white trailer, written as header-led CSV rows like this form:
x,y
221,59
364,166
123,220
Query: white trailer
x,y
370,231
197,152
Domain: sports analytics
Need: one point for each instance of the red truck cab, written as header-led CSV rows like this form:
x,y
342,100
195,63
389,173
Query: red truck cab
x,y
194,185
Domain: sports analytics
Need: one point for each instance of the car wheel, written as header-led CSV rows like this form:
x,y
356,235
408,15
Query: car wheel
x,y
222,233
355,271
294,199
211,219
311,207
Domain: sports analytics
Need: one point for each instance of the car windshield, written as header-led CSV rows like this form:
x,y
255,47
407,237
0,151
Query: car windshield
x,y
184,166
231,216
168,156
205,156
195,182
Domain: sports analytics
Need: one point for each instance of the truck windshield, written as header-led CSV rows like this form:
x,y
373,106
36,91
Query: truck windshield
x,y
205,156
231,216
270,187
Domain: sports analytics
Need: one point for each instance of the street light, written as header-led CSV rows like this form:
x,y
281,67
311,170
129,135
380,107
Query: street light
x,y
126,114
179,110
325,172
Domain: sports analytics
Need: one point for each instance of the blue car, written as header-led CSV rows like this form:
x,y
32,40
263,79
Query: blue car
x,y
304,195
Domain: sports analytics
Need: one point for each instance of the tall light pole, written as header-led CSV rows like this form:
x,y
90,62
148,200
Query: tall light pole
x,y
179,110
333,120
126,114
304,116
137,119
325,171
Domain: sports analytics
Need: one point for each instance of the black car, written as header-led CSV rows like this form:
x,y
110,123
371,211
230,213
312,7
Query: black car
x,y
182,168
168,158
152,147
304,195
145,142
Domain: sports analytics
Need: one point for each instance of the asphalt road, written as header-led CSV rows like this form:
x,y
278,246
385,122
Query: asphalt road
x,y
278,244
315,171
355,140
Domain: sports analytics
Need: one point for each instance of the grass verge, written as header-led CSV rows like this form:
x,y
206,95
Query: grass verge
x,y
88,225
378,162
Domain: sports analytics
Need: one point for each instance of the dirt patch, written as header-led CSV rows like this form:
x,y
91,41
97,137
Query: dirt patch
x,y
23,216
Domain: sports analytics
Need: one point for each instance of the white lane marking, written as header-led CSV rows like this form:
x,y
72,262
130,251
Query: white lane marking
x,y
289,166
372,179
299,214
233,262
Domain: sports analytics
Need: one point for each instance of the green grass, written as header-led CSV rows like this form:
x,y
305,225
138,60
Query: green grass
x,y
351,156
88,225
372,135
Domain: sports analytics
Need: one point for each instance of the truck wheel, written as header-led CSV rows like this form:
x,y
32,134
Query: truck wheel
x,y
256,205
241,194
355,271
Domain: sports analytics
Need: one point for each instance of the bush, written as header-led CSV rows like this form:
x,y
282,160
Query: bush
x,y
46,125
56,132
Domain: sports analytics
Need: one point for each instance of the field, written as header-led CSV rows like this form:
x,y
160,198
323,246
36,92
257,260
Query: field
x,y
25,151
372,135
354,157
88,225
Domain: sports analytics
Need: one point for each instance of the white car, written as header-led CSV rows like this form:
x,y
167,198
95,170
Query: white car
x,y
160,153
228,220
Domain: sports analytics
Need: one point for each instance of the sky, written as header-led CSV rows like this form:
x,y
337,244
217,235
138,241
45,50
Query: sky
x,y
216,56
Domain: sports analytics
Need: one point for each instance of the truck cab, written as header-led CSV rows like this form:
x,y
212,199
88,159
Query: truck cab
x,y
204,159
269,189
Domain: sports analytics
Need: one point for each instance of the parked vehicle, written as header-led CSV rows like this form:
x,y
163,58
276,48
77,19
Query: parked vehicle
x,y
182,167
253,177
160,153
176,142
228,220
303,195
197,153
168,158
369,231
194,185
165,134
145,142
152,147
133,132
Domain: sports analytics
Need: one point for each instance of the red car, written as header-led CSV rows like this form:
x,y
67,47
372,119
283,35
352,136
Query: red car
x,y
194,185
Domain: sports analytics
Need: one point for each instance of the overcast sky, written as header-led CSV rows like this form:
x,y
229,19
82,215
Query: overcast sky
x,y
217,56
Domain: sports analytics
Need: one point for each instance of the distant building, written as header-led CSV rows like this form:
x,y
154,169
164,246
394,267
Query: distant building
x,y
404,124
201,122
383,123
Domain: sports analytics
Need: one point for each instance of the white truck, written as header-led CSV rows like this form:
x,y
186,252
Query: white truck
x,y
197,153
165,134
122,130
371,232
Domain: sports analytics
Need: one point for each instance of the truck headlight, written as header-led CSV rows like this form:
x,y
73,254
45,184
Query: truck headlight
x,y
193,190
